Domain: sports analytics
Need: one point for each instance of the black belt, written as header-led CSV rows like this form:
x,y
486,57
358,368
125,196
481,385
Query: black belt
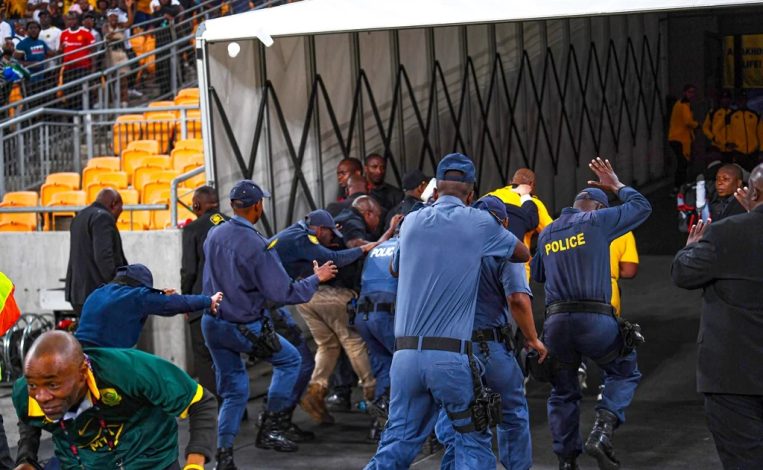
x,y
579,306
489,334
368,307
433,343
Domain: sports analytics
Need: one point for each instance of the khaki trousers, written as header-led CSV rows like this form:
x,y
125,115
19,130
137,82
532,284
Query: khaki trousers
x,y
326,317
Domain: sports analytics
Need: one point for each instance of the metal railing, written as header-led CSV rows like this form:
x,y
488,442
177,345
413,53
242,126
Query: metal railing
x,y
47,140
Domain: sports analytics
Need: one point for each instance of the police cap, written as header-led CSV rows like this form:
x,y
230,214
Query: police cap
x,y
456,162
594,194
493,205
138,273
247,193
322,218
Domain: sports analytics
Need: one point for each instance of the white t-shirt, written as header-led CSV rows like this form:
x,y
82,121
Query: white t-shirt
x,y
51,37
5,32
155,5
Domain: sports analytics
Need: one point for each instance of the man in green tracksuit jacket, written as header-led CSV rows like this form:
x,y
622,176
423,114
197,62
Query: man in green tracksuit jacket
x,y
109,408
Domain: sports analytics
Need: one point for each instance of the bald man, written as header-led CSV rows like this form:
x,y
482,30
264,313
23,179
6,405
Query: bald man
x,y
109,408
724,259
95,250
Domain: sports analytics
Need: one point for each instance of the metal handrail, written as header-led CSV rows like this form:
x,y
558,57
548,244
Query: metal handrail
x,y
71,113
174,193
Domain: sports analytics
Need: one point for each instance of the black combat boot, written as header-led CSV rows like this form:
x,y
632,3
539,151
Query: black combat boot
x,y
340,401
273,433
294,432
224,459
568,463
377,426
599,442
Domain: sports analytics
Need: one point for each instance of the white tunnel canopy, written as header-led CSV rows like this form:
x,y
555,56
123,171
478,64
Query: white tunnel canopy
x,y
327,16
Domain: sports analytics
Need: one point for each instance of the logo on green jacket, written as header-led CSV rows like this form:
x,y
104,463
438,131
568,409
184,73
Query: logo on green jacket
x,y
110,397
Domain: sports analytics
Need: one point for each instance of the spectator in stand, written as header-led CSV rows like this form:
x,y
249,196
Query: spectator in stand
x,y
100,12
80,7
76,60
34,7
57,15
143,11
155,5
31,51
12,73
163,33
50,33
5,28
19,32
116,54
88,23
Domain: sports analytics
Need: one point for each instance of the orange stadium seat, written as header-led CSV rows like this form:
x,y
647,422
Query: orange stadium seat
x,y
185,92
90,175
189,144
112,163
146,145
132,159
192,125
156,190
132,220
196,181
183,158
126,129
114,179
156,162
19,222
186,101
159,125
147,174
66,179
65,198
162,104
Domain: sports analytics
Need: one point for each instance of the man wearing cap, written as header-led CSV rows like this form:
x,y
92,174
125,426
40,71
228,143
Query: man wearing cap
x,y
438,259
114,314
573,260
414,184
376,172
241,263
299,246
495,321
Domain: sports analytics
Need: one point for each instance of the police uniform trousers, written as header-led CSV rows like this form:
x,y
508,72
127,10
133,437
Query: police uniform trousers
x,y
226,343
736,423
423,382
378,331
285,326
502,375
326,317
594,335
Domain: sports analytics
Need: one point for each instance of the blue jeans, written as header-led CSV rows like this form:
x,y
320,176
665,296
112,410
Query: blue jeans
x,y
294,335
226,344
569,336
422,383
502,375
379,334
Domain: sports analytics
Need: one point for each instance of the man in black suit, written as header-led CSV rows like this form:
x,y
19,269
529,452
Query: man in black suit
x,y
95,248
724,259
206,205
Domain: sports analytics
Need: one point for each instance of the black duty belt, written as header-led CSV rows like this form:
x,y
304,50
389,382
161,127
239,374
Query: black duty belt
x,y
579,306
433,343
489,334
369,307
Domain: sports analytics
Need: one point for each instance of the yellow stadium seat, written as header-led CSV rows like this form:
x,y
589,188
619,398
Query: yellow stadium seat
x,y
145,145
114,179
160,219
154,191
182,158
192,125
196,181
19,222
162,104
126,129
64,198
130,196
189,144
132,220
186,101
161,178
111,163
132,159
194,92
66,179
149,174
156,162
159,125
48,190
90,175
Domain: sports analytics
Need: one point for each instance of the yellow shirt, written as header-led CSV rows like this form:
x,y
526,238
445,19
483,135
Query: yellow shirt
x,y
682,125
743,131
715,128
508,196
622,249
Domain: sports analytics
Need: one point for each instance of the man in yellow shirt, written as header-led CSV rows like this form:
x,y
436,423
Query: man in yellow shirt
x,y
623,261
743,134
681,133
716,126
509,195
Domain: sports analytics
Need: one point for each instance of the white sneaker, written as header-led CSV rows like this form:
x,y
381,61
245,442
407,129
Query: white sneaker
x,y
133,93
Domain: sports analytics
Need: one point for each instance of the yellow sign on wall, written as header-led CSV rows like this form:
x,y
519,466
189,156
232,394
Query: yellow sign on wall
x,y
751,61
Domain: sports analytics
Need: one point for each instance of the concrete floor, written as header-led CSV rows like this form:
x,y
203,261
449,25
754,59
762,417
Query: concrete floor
x,y
665,428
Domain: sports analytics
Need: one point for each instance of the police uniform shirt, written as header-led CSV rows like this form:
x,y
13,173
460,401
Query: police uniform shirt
x,y
498,280
438,260
244,266
573,252
377,284
297,247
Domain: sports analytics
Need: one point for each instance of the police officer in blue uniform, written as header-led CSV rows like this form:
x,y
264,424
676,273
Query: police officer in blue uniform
x,y
375,321
243,265
438,259
493,344
573,261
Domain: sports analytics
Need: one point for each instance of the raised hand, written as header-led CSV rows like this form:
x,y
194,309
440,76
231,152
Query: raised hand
x,y
696,231
326,272
608,180
741,196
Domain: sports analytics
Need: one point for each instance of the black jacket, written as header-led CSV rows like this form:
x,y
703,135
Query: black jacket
x,y
387,195
192,264
95,252
720,208
726,264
